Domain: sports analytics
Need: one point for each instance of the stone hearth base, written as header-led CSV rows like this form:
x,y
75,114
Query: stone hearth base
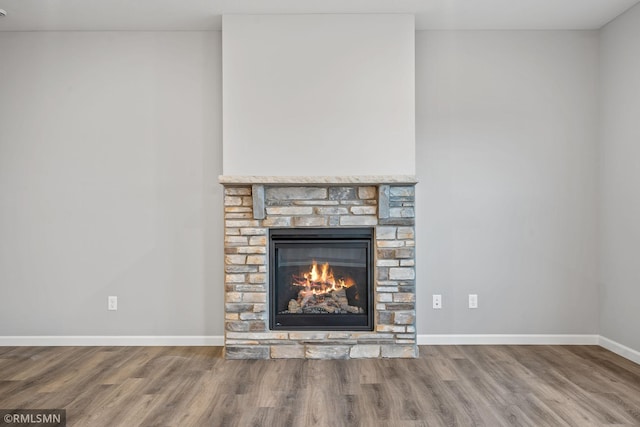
x,y
252,208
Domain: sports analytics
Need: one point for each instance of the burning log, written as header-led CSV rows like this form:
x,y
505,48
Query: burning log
x,y
322,293
293,306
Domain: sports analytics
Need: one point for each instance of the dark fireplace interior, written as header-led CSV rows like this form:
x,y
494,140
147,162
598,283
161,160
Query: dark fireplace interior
x,y
321,279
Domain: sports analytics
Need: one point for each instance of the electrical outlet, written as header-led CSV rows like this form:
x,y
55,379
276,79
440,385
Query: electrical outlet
x,y
437,301
473,301
112,303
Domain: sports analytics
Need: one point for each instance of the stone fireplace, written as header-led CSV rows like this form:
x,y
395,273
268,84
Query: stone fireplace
x,y
329,312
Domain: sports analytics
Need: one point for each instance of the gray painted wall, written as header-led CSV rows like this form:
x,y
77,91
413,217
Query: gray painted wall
x,y
110,145
110,148
506,159
620,180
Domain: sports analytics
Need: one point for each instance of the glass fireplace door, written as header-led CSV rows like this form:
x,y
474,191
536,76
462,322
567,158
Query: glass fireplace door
x,y
321,279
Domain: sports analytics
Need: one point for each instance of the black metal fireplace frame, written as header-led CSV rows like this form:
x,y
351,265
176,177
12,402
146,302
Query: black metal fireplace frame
x,y
363,237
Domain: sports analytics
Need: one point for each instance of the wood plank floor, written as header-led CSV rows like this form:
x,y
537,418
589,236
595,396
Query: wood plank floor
x,y
446,386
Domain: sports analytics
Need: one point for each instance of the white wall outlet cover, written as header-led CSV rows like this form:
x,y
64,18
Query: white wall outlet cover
x,y
473,301
112,303
437,301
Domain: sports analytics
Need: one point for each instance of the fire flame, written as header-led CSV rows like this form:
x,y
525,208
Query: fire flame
x,y
320,280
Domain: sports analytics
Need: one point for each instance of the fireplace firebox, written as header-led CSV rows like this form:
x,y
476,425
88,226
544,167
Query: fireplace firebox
x,y
321,279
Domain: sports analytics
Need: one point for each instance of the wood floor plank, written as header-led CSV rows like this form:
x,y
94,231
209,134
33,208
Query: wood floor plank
x,y
446,386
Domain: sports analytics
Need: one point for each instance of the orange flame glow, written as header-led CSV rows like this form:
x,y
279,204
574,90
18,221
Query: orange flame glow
x,y
320,280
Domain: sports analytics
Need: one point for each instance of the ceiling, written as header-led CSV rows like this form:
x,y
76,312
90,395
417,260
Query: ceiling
x,y
135,15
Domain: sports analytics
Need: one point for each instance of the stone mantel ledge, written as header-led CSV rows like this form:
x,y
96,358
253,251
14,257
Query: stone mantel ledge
x,y
317,180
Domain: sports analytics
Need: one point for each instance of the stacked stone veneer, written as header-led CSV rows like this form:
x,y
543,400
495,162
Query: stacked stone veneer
x,y
250,210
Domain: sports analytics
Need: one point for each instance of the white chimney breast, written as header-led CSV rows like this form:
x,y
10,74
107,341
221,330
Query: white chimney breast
x,y
318,95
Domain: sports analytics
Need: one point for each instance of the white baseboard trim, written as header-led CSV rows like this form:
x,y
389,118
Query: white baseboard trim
x,y
508,339
109,340
619,349
218,340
